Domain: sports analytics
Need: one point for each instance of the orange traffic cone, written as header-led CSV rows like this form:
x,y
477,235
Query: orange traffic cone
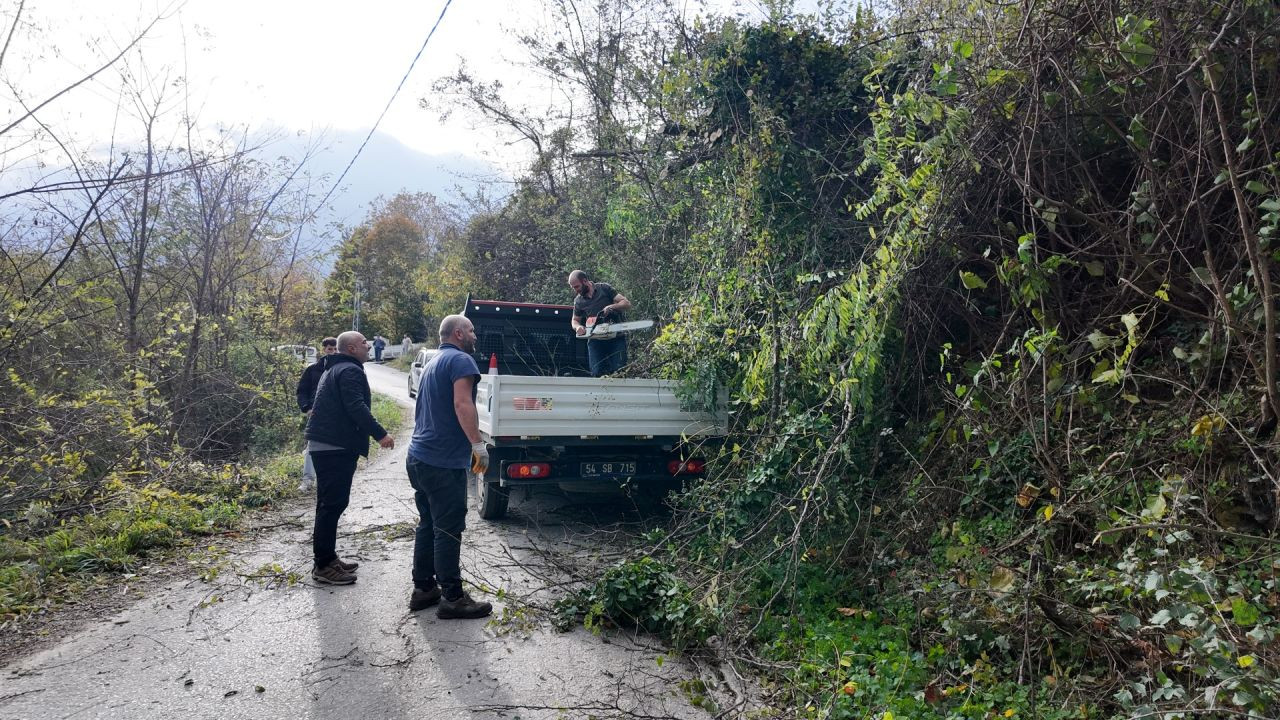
x,y
493,363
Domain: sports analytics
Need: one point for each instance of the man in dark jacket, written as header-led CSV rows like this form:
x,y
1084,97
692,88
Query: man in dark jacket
x,y
338,434
307,385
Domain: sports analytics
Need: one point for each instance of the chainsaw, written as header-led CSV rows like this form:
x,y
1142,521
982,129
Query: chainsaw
x,y
608,330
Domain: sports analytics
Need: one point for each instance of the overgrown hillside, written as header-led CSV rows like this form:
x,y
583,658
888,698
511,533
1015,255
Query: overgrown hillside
x,y
990,289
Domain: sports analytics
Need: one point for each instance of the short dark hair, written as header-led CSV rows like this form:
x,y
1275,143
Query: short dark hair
x,y
329,342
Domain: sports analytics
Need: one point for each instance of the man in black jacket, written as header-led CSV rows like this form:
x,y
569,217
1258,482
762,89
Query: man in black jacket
x,y
307,385
338,434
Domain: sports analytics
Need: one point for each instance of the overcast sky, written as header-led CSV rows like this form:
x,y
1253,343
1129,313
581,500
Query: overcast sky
x,y
306,66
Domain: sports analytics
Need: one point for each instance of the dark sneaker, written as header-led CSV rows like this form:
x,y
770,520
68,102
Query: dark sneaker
x,y
464,607
332,574
423,598
349,567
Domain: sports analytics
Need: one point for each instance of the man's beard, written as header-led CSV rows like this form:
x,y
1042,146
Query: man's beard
x,y
469,347
584,290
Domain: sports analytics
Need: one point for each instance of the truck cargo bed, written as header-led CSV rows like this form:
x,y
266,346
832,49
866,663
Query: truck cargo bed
x,y
575,408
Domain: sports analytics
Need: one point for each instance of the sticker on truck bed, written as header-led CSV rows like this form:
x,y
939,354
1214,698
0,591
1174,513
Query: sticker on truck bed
x,y
531,403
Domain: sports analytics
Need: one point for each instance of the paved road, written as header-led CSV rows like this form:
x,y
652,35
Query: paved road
x,y
250,644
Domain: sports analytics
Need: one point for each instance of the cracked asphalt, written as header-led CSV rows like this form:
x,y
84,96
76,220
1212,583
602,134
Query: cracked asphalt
x,y
251,644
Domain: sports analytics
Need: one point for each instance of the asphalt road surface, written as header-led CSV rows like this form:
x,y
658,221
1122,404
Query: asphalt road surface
x,y
256,638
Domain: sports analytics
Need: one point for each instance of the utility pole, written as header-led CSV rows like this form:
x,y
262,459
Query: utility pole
x,y
355,301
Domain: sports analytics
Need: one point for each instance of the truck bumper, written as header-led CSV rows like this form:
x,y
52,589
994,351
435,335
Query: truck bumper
x,y
575,470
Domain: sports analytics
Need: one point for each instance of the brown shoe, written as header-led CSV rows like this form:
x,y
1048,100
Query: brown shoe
x,y
462,608
349,567
423,598
332,574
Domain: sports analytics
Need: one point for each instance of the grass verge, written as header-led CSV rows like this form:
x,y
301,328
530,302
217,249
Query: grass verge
x,y
402,362
57,559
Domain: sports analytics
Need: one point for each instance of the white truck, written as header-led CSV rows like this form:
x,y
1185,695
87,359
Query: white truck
x,y
546,421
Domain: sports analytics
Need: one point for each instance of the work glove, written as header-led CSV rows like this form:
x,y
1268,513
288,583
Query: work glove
x,y
479,458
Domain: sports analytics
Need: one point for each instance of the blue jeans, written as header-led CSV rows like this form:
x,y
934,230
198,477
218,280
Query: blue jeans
x,y
607,356
441,496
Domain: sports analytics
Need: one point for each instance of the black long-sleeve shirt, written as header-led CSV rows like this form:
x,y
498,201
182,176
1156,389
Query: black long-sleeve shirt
x,y
308,383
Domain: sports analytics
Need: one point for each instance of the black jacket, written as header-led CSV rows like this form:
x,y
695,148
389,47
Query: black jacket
x,y
340,415
308,383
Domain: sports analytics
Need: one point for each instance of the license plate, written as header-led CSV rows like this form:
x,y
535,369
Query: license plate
x,y
608,469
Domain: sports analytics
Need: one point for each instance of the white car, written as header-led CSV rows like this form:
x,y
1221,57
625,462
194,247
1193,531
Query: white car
x,y
305,353
415,370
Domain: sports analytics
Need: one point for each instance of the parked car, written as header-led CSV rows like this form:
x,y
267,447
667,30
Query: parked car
x,y
415,370
305,353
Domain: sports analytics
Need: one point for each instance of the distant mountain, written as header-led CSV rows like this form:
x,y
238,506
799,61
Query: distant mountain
x,y
385,167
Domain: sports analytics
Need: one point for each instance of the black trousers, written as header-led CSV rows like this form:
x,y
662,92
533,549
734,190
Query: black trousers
x,y
334,470
441,496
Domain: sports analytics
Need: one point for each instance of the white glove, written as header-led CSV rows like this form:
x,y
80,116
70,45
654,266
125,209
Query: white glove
x,y
479,458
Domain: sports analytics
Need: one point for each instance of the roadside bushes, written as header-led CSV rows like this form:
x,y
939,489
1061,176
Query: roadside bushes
x,y
1034,420
644,594
43,560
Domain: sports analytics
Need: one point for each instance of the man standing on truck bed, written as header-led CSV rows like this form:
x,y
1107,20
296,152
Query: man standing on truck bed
x,y
600,301
446,441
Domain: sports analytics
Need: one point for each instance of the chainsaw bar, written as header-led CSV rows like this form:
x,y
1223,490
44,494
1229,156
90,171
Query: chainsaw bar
x,y
606,331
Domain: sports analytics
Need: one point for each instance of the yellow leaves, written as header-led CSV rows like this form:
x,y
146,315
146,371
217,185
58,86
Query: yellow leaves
x,y
1027,494
1002,579
1207,426
854,612
1244,661
955,689
1047,512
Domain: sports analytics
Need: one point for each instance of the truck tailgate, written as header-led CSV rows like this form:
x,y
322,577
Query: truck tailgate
x,y
534,406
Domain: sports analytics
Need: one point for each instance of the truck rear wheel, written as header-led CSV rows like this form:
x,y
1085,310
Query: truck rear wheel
x,y
493,499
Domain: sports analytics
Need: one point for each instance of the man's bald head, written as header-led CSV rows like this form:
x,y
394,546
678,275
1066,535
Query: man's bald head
x,y
458,330
351,343
580,283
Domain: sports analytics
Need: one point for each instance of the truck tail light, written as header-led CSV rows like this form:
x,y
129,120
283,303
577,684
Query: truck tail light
x,y
524,471
686,467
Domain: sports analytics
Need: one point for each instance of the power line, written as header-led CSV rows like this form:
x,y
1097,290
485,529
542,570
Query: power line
x,y
377,122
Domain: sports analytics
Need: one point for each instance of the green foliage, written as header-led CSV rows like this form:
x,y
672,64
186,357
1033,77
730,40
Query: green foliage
x,y
387,412
184,500
853,662
644,593
38,567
